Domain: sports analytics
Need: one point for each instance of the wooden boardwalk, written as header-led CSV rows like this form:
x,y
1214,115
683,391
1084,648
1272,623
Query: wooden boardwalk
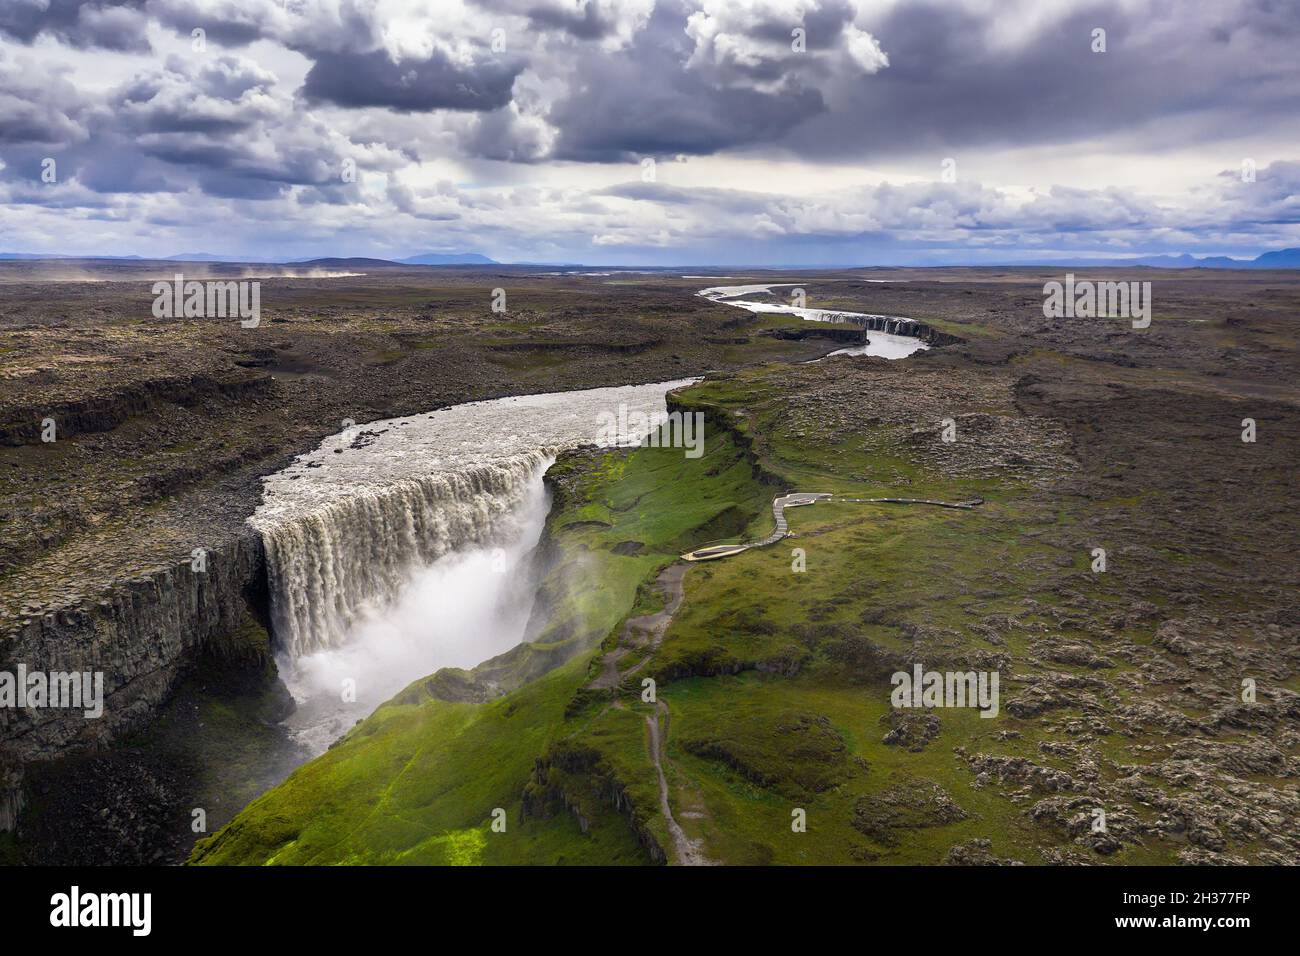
x,y
964,505
792,500
796,498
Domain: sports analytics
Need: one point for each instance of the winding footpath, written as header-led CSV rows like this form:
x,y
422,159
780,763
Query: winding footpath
x,y
792,500
796,498
645,630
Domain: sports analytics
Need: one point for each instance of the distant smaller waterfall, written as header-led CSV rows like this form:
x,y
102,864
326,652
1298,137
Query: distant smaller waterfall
x,y
892,336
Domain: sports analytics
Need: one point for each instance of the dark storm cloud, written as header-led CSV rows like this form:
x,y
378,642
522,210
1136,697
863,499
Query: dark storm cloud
x,y
374,79
947,87
584,22
581,19
955,80
107,24
226,23
227,186
609,123
643,102
38,106
26,122
503,135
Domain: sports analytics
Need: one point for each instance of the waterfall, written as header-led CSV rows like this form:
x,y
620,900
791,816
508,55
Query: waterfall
x,y
451,584
402,546
327,568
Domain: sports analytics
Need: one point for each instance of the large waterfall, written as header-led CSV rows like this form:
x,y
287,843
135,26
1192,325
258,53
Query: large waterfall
x,y
400,546
329,567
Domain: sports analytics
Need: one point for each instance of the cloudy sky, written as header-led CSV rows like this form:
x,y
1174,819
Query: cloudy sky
x,y
651,132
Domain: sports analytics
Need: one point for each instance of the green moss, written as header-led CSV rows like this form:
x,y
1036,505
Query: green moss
x,y
418,784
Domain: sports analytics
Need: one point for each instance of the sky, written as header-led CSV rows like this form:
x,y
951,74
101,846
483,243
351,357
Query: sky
x,y
651,132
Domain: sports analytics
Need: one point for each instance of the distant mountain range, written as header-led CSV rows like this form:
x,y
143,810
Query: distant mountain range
x,y
352,262
1278,259
424,259
449,259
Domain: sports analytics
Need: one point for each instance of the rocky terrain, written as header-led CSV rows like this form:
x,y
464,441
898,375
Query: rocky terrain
x,y
1122,689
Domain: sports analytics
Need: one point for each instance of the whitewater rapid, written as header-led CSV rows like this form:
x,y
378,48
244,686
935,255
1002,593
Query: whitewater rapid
x,y
401,546
884,344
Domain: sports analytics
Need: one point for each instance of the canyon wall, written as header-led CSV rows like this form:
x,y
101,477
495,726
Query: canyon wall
x,y
141,635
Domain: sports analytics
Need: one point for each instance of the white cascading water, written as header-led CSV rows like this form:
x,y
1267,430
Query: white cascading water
x,y
331,567
457,609
401,546
883,344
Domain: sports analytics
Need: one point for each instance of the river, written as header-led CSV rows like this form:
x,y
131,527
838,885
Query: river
x,y
882,344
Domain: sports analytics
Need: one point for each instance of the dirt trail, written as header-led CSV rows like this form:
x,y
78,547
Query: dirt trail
x,y
686,850
645,631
